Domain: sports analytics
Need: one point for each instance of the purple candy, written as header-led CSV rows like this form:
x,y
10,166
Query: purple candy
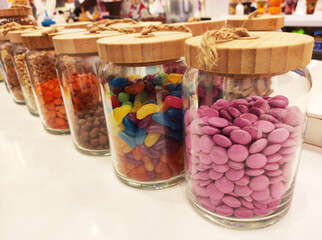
x,y
157,128
145,122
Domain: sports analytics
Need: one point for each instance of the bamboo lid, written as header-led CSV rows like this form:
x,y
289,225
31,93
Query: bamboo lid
x,y
72,25
262,23
41,40
80,42
134,48
200,27
15,12
271,53
15,36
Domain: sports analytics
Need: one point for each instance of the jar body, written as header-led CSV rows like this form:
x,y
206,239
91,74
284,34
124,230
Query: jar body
x,y
18,54
11,78
78,80
48,96
143,108
242,145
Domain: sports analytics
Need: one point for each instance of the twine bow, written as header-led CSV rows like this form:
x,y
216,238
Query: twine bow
x,y
164,28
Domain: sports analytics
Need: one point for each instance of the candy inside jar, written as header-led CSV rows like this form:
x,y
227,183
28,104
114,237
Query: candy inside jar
x,y
146,124
242,147
142,98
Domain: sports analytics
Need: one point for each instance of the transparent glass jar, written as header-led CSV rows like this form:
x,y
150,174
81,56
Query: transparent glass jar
x,y
11,78
143,109
77,77
47,92
244,132
18,53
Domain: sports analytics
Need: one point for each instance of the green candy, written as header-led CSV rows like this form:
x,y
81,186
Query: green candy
x,y
123,97
127,103
142,96
164,77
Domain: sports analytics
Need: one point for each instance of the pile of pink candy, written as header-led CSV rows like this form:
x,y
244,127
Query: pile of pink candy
x,y
241,154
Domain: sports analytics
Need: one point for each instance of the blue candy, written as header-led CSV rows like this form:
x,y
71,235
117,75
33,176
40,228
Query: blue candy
x,y
119,82
178,87
127,138
175,113
178,125
129,126
162,119
157,80
171,87
140,136
177,94
176,135
151,102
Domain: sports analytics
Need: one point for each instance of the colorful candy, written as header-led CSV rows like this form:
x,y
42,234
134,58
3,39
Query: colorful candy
x,y
146,110
152,128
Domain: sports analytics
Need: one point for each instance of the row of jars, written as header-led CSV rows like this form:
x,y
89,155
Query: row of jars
x,y
235,131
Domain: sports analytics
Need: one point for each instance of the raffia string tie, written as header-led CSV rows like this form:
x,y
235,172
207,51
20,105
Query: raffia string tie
x,y
15,27
109,22
253,15
208,55
164,28
98,29
49,31
194,19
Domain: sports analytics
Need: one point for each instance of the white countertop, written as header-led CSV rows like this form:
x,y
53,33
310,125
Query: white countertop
x,y
50,191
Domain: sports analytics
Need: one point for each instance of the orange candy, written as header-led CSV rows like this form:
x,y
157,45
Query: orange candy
x,y
51,104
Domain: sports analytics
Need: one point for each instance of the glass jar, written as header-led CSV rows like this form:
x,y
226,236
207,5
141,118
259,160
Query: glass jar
x,y
244,129
77,76
11,74
18,54
41,66
143,107
77,68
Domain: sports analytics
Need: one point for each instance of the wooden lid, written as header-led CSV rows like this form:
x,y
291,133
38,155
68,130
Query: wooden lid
x,y
262,23
133,48
271,53
15,12
15,36
80,42
38,40
200,27
72,25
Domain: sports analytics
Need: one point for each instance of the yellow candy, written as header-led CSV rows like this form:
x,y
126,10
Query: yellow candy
x,y
149,166
136,106
127,149
151,139
175,78
120,113
133,77
146,110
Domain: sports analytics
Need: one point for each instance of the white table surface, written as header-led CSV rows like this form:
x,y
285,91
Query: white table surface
x,y
49,191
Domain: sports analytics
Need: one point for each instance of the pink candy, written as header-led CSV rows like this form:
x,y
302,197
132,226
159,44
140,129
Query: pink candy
x,y
241,154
